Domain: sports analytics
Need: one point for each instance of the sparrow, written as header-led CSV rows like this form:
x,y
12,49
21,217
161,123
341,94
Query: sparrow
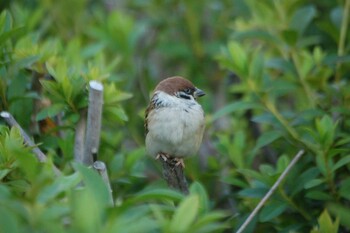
x,y
174,121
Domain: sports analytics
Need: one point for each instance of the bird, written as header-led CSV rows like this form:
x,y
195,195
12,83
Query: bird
x,y
174,121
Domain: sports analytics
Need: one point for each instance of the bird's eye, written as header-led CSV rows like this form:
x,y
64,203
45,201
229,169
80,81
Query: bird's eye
x,y
188,91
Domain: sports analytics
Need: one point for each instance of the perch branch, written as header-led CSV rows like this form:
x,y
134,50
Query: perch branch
x,y
93,122
11,121
101,168
270,192
174,176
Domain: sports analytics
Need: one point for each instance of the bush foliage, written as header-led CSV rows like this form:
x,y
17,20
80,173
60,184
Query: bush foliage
x,y
276,75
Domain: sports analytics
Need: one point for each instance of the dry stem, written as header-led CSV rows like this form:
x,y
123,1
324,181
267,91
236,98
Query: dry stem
x,y
270,192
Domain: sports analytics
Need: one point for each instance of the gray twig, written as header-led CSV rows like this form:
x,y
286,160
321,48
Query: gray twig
x,y
270,192
174,176
93,122
101,168
80,137
11,121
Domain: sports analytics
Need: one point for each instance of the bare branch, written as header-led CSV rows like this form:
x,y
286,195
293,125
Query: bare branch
x,y
93,122
270,192
11,121
174,176
101,168
80,137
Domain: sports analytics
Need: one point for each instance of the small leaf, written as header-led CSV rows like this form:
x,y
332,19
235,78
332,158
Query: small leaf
x,y
9,221
50,111
239,57
290,36
267,138
197,188
313,183
256,69
62,184
233,107
342,212
319,195
326,224
94,184
282,163
253,192
185,214
159,194
344,190
209,222
302,18
343,161
272,211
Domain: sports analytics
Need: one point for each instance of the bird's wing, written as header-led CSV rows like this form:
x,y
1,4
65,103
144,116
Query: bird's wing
x,y
148,110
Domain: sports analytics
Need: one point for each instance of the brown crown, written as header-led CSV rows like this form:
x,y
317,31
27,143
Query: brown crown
x,y
173,84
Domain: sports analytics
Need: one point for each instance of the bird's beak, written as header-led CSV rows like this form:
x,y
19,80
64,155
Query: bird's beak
x,y
198,93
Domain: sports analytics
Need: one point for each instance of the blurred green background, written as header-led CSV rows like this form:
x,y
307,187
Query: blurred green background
x,y
276,74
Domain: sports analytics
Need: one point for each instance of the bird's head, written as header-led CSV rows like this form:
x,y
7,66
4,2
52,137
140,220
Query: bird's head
x,y
179,87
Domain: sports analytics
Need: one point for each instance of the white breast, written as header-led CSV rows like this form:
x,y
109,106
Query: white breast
x,y
176,129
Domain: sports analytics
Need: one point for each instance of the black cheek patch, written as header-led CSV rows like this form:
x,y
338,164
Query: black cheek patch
x,y
184,96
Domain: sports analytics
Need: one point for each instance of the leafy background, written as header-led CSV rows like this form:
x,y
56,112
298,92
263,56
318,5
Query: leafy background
x,y
276,73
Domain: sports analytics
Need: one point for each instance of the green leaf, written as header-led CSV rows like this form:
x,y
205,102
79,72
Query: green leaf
x,y
326,224
326,130
253,192
4,172
272,210
233,107
156,194
257,34
280,65
210,222
344,190
343,161
290,36
342,212
319,195
10,34
9,221
313,183
50,111
267,138
239,58
26,62
93,182
115,113
256,175
256,69
302,18
197,188
303,178
185,214
282,163
61,184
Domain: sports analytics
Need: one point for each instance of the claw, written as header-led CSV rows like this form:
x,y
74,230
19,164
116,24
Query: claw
x,y
164,156
179,161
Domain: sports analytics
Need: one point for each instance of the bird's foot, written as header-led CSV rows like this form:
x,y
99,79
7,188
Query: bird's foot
x,y
179,162
164,156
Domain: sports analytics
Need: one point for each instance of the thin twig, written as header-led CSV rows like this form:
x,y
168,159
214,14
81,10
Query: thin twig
x,y
101,168
174,176
93,122
11,121
270,192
